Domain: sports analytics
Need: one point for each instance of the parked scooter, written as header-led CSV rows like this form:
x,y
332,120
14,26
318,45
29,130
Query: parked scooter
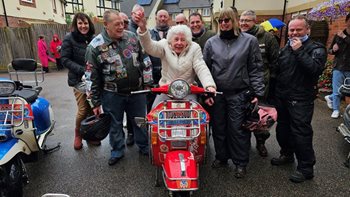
x,y
178,131
25,122
344,128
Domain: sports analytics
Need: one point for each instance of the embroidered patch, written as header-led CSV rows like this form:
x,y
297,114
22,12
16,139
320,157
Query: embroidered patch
x,y
127,53
97,41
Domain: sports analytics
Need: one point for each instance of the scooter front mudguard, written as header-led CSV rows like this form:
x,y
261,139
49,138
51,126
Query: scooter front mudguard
x,y
11,148
180,171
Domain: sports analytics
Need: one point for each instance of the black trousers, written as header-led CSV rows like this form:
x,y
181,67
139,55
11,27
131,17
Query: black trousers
x,y
294,132
230,140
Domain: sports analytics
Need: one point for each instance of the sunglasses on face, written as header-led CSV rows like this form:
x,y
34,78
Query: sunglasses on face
x,y
226,20
180,22
126,22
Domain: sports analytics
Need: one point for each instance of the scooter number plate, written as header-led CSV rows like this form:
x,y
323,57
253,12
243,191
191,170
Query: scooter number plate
x,y
178,133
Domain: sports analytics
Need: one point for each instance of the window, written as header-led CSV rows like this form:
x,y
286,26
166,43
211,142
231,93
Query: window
x,y
144,2
206,12
29,3
171,1
54,6
103,6
114,5
299,13
193,11
100,7
73,6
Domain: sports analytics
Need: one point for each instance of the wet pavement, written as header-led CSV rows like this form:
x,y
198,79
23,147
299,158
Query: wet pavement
x,y
86,172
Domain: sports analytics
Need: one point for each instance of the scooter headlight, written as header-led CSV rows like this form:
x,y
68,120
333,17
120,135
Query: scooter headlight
x,y
179,89
7,87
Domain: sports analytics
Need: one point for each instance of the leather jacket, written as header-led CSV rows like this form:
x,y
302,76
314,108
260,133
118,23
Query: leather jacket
x,y
298,71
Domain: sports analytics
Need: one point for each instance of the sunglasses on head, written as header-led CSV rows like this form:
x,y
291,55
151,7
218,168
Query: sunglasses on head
x,y
226,20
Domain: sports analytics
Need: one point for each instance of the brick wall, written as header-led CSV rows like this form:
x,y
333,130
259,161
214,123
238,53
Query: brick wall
x,y
335,26
13,22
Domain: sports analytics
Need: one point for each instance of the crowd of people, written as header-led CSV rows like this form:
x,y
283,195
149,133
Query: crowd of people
x,y
242,60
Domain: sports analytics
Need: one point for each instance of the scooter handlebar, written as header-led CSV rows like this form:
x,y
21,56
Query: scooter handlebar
x,y
140,92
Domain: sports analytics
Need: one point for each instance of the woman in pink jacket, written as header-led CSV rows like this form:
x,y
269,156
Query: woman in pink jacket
x,y
43,53
55,48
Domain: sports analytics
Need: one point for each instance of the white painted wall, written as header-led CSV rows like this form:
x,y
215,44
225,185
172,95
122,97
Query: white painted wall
x,y
43,10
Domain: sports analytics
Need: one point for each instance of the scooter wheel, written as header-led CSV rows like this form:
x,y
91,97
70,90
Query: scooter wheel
x,y
181,194
159,179
12,178
347,163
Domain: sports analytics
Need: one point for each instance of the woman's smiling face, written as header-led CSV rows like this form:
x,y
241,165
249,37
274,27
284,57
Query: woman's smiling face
x,y
178,43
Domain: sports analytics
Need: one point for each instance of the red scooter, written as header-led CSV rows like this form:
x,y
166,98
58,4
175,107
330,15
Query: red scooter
x,y
178,131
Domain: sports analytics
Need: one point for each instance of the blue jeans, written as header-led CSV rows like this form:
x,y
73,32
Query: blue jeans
x,y
337,80
135,106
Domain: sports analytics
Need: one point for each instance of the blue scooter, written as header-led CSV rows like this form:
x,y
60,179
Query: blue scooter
x,y
344,128
25,122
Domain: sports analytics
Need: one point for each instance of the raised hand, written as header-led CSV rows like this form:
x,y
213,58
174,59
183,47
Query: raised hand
x,y
140,20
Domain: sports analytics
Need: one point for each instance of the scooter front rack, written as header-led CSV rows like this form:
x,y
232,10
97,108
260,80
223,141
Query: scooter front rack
x,y
12,112
178,122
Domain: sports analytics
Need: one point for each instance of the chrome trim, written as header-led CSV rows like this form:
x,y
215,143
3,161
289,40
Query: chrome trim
x,y
164,127
10,114
176,179
182,164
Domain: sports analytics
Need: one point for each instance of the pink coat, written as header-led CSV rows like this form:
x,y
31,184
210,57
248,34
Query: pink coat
x,y
42,53
54,46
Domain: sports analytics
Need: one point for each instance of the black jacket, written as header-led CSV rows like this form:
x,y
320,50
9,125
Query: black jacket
x,y
236,64
342,56
73,56
298,71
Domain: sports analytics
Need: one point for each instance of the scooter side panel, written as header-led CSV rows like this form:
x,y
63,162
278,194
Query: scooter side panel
x,y
11,148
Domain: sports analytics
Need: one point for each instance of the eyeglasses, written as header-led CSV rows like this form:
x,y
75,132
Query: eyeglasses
x,y
180,22
226,20
245,20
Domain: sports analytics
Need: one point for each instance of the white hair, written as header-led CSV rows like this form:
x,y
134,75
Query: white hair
x,y
180,29
137,7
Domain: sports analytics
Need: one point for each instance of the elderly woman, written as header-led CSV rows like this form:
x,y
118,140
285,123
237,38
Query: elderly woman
x,y
180,57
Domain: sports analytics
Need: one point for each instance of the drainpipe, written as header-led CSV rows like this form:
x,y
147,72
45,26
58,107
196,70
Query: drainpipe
x,y
283,15
5,14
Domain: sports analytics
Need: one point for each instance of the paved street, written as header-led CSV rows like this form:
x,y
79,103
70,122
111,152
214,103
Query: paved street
x,y
86,172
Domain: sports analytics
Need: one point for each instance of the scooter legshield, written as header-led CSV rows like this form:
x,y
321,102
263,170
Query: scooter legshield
x,y
180,171
5,148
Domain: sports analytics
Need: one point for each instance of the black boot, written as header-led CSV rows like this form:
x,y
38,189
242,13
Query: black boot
x,y
282,160
261,137
130,139
260,145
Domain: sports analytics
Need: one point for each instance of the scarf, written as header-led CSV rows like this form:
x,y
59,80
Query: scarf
x,y
227,35
196,35
77,36
253,30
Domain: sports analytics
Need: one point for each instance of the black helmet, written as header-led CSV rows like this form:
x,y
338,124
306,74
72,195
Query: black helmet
x,y
260,117
344,89
95,128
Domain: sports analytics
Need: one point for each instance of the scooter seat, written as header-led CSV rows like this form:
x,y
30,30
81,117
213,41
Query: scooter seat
x,y
28,94
24,64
